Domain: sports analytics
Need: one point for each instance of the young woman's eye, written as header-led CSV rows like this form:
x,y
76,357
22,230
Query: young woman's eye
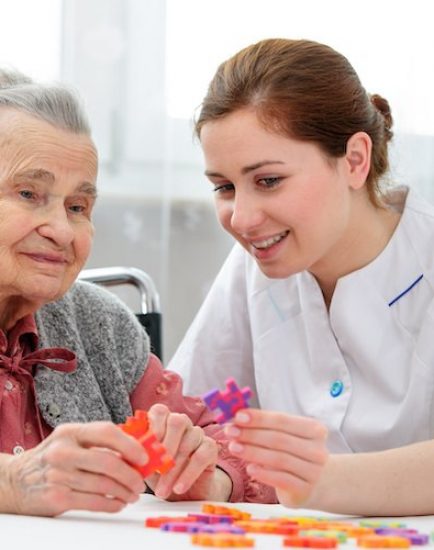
x,y
224,188
269,182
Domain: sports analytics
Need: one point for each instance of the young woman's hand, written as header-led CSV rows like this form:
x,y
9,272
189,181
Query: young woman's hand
x,y
286,452
78,467
194,476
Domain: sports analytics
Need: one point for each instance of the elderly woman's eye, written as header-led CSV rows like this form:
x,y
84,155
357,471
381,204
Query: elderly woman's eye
x,y
79,208
27,194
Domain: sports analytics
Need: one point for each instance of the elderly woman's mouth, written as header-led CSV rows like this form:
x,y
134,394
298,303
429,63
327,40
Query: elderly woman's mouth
x,y
47,258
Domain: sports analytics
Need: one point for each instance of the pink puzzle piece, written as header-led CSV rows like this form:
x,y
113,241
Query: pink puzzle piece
x,y
228,401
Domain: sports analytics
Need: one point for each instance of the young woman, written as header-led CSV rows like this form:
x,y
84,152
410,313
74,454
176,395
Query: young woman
x,y
325,306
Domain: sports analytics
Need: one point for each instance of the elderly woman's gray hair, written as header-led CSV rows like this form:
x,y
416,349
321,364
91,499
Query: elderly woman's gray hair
x,y
55,104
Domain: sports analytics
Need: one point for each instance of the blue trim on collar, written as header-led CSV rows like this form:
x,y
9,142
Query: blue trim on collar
x,y
406,290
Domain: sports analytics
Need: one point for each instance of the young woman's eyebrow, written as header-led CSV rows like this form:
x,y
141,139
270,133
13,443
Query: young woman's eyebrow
x,y
257,165
245,169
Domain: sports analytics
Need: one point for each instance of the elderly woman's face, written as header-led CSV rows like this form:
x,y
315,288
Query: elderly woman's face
x,y
47,191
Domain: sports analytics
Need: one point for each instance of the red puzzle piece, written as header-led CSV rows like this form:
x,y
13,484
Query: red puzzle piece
x,y
158,459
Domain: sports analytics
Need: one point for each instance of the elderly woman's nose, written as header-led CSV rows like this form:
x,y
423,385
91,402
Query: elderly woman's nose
x,y
57,226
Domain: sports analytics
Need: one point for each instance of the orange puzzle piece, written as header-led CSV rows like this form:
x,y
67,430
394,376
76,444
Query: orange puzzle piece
x,y
310,542
222,540
383,541
158,459
225,511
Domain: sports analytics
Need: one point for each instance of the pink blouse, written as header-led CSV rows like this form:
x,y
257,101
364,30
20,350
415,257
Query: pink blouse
x,y
23,427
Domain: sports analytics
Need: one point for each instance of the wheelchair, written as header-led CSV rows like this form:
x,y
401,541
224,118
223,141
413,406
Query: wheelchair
x,y
150,312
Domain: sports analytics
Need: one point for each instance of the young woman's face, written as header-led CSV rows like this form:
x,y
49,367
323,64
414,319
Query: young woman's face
x,y
282,199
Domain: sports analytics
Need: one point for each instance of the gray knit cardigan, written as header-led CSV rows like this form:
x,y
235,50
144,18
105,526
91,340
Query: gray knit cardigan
x,y
112,351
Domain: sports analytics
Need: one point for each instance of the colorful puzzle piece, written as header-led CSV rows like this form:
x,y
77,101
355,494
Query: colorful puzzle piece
x,y
267,526
415,538
200,527
222,540
158,459
229,401
378,523
222,528
383,541
212,518
225,511
136,425
157,521
182,527
341,536
310,542
347,528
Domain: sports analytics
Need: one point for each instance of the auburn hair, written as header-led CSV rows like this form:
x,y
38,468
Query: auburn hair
x,y
304,90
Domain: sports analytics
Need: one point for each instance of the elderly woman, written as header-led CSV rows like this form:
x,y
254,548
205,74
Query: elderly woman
x,y
73,359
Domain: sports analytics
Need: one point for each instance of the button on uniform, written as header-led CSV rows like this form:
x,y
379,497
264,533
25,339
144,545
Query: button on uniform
x,y
336,388
9,385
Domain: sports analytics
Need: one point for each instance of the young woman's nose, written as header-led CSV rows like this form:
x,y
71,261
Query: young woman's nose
x,y
56,225
247,213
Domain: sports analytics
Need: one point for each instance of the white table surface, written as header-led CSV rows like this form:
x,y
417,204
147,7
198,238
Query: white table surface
x,y
126,530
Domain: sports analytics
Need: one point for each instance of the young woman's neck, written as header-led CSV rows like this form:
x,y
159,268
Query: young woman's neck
x,y
369,232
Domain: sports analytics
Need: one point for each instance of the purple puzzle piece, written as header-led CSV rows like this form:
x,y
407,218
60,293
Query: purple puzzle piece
x,y
212,518
181,526
201,527
228,401
222,528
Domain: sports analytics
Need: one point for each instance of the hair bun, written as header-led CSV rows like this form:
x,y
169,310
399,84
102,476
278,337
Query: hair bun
x,y
383,107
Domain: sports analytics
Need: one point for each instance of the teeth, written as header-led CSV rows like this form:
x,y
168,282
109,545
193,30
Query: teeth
x,y
269,242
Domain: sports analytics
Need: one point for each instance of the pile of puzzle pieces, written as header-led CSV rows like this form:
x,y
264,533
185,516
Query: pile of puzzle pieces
x,y
223,526
158,459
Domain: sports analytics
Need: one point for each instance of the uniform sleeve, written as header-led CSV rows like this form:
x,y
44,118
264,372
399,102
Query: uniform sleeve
x,y
162,386
218,344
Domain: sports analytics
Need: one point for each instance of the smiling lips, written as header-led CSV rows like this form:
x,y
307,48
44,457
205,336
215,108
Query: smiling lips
x,y
267,243
47,257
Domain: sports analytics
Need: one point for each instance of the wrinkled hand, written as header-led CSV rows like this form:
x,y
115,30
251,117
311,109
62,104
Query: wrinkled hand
x,y
79,466
194,476
283,451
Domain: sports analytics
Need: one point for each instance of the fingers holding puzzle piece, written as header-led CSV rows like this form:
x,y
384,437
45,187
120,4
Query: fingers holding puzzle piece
x,y
158,459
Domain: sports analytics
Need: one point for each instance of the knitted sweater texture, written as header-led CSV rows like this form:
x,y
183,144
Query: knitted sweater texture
x,y
112,350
